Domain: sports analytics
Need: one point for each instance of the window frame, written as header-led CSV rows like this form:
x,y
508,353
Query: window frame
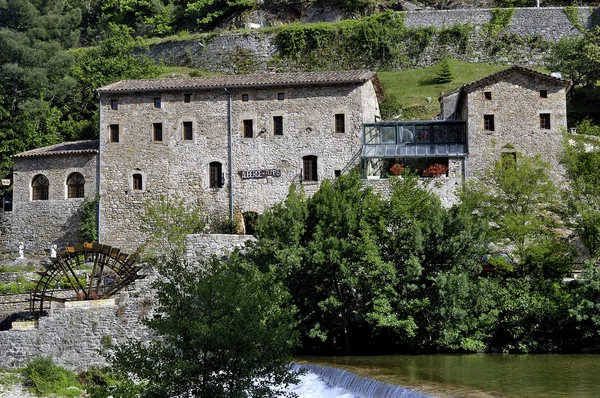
x,y
487,95
310,169
137,182
281,96
545,121
215,175
245,97
489,123
248,128
543,93
339,123
157,102
75,189
188,127
157,132
278,125
114,132
114,104
41,190
187,98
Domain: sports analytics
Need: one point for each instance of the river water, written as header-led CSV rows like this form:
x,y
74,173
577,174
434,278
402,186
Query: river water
x,y
480,375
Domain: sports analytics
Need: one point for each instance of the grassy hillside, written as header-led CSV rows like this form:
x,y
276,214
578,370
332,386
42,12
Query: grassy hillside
x,y
410,89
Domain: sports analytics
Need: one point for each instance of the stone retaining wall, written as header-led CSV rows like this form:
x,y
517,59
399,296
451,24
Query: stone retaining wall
x,y
75,335
255,50
203,246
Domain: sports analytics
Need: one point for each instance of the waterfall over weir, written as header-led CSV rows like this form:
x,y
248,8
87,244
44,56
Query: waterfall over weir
x,y
358,386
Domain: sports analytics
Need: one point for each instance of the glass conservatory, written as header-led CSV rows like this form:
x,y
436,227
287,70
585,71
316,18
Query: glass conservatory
x,y
422,146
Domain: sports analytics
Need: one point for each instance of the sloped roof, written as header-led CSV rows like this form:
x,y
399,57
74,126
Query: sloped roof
x,y
65,148
526,71
240,81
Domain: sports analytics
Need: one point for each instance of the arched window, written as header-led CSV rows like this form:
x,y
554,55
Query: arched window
x,y
40,185
310,168
75,186
138,182
216,175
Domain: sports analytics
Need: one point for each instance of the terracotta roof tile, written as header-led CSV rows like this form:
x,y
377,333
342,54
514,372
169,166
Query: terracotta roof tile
x,y
65,148
240,81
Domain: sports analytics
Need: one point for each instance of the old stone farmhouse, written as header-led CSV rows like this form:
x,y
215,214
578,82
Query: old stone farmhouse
x,y
235,144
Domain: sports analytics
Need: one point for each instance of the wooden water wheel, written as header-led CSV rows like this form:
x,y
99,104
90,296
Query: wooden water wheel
x,y
112,270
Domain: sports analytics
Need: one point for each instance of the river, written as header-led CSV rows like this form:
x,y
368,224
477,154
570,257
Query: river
x,y
480,375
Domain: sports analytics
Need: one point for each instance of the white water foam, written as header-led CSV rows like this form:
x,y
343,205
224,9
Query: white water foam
x,y
312,386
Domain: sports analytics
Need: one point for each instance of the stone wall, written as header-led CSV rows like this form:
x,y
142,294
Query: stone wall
x,y
253,51
203,246
180,168
6,231
75,335
42,223
516,106
446,188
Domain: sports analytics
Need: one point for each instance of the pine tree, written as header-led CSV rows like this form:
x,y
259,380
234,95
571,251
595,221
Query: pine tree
x,y
445,72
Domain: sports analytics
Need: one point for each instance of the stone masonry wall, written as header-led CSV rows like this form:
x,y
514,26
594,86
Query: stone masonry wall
x,y
516,105
5,230
203,246
75,337
42,223
235,52
178,168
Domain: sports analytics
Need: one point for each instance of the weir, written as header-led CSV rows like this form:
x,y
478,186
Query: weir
x,y
359,386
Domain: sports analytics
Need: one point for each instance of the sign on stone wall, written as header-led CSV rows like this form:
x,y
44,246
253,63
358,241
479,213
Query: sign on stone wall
x,y
250,174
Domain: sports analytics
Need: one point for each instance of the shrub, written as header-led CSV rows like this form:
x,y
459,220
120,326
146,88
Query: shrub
x,y
445,73
45,377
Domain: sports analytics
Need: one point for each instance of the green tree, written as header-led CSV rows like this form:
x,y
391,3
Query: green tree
x,y
577,58
444,74
34,81
88,227
167,222
206,14
112,58
583,194
227,330
518,198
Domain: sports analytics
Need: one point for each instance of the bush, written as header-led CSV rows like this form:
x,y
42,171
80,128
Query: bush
x,y
45,377
445,73
103,382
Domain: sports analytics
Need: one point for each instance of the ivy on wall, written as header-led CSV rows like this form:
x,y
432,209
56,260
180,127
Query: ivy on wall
x,y
574,17
501,18
378,42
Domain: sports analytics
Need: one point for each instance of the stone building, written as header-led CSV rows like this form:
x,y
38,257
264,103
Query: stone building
x,y
49,186
235,144
226,143
516,110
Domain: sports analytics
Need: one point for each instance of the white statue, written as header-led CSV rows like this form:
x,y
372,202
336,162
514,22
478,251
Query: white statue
x,y
21,250
53,251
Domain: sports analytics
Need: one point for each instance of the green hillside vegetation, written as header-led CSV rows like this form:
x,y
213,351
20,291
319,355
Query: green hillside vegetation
x,y
407,91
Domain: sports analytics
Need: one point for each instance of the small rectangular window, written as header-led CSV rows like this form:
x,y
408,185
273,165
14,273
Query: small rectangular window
x,y
277,125
543,93
114,133
487,95
248,132
245,97
157,102
137,182
340,123
114,104
216,175
309,173
545,121
187,98
337,173
188,132
280,96
158,131
488,123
